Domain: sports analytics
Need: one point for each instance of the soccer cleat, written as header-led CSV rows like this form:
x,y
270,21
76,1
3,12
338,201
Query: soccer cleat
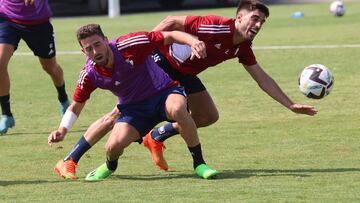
x,y
100,173
63,106
6,122
157,151
66,169
205,172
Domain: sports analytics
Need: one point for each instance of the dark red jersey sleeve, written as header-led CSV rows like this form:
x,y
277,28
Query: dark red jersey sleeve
x,y
246,55
84,88
139,45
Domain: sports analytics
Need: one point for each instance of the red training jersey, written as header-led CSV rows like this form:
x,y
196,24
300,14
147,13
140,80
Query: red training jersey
x,y
217,32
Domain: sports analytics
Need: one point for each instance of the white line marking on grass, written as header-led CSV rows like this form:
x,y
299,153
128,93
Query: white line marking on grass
x,y
307,47
255,48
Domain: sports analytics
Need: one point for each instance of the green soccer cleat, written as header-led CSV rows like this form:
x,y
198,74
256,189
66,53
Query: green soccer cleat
x,y
205,172
100,173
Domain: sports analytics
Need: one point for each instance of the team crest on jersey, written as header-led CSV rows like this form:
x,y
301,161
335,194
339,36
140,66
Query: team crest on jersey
x,y
218,46
130,62
117,83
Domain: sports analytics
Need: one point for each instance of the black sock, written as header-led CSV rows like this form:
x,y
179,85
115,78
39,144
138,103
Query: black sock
x,y
79,149
62,96
164,132
5,105
112,165
196,154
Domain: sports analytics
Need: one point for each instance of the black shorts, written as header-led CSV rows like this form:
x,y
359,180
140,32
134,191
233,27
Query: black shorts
x,y
39,38
191,83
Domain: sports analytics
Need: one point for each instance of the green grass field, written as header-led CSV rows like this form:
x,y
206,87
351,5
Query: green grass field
x,y
265,153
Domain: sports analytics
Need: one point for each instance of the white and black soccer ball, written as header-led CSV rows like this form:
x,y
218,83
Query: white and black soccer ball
x,y
316,81
337,8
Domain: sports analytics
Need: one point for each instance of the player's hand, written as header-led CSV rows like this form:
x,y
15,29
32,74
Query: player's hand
x,y
29,2
303,109
198,50
56,136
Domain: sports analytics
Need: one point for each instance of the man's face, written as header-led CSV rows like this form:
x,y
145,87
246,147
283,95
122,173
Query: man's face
x,y
97,49
249,23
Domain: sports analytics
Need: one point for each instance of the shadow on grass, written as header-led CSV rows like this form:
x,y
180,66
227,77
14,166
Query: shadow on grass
x,y
239,174
246,173
82,130
25,182
224,174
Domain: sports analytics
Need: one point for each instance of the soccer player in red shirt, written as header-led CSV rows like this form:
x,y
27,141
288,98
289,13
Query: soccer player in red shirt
x,y
225,38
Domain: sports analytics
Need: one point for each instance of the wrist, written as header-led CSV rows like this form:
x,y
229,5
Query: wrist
x,y
67,121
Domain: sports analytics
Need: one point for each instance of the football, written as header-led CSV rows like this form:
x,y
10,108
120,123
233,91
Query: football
x,y
316,81
337,8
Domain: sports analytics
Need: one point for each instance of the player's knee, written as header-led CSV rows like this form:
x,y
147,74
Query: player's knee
x,y
52,69
178,111
206,119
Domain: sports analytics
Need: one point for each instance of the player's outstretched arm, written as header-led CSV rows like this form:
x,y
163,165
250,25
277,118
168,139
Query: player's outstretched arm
x,y
67,121
268,85
198,47
171,23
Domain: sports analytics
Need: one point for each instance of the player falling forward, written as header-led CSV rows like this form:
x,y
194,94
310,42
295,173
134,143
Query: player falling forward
x,y
225,38
146,94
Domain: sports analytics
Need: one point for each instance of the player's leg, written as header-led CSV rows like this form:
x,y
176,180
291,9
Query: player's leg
x,y
122,136
7,120
202,110
201,107
176,109
9,39
66,167
54,70
41,41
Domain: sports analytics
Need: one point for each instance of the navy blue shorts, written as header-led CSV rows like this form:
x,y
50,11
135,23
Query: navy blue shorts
x,y
145,115
191,83
39,38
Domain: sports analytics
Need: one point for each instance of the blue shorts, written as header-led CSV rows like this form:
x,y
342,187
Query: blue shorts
x,y
39,38
145,115
191,83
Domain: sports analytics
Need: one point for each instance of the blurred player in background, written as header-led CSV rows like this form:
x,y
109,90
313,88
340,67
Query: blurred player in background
x,y
146,94
27,20
225,38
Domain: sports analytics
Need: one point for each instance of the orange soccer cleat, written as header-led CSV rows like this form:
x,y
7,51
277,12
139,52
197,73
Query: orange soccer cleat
x,y
156,149
66,169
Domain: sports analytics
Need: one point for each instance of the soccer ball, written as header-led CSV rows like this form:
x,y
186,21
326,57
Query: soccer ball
x,y
316,81
337,8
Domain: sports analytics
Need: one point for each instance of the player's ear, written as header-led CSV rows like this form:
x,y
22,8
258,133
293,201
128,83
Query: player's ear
x,y
239,16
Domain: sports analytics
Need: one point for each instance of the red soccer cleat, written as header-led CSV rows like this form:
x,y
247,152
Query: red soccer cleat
x,y
66,169
156,149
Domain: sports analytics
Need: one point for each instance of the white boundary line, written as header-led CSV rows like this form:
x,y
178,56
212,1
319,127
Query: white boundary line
x,y
255,48
307,47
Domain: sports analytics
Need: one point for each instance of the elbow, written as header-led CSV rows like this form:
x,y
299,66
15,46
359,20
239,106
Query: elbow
x,y
171,23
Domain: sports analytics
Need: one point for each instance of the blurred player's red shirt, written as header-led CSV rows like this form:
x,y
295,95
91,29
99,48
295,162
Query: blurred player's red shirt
x,y
217,33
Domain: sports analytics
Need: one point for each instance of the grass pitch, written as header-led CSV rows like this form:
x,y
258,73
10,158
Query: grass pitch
x,y
265,153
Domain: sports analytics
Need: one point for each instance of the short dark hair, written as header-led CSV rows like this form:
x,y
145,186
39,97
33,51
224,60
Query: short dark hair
x,y
251,5
89,30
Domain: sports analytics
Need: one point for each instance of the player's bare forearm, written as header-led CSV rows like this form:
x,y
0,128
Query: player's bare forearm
x,y
198,47
171,23
268,85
